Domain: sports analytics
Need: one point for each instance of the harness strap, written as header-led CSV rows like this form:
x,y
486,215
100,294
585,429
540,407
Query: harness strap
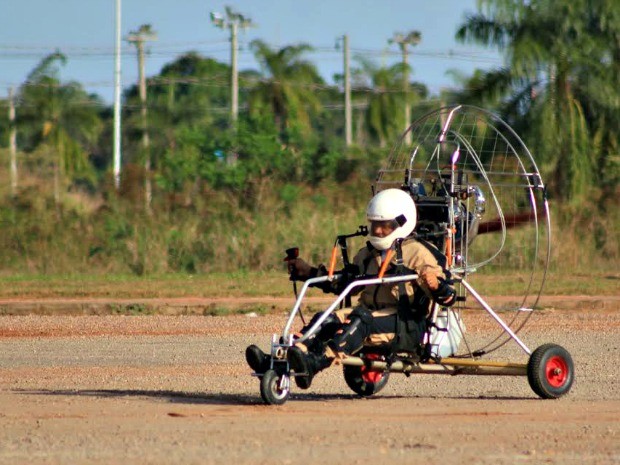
x,y
442,261
409,323
403,300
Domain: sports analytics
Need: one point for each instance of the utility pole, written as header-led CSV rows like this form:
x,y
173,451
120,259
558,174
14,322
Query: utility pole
x,y
138,38
403,41
117,99
13,143
232,21
347,93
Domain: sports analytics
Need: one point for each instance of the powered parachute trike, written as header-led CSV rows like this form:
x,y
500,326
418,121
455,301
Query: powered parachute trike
x,y
482,203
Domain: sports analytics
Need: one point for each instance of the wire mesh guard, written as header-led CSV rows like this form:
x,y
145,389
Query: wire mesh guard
x,y
481,200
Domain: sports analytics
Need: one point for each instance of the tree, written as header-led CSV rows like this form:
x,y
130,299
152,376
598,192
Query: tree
x,y
60,116
287,88
559,87
385,98
189,92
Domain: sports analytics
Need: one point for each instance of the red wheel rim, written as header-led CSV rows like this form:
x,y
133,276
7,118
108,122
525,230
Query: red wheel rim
x,y
371,376
556,371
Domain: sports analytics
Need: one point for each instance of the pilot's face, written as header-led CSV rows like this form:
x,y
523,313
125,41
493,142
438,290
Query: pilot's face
x,y
382,228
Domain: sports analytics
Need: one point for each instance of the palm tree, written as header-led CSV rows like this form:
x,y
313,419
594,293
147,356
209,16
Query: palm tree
x,y
600,91
61,117
190,96
553,52
385,100
187,93
287,88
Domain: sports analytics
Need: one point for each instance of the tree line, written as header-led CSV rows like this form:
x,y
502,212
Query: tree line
x,y
558,88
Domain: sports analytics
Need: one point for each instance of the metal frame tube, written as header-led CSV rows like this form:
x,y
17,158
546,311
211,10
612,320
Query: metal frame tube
x,y
447,366
495,316
336,303
372,281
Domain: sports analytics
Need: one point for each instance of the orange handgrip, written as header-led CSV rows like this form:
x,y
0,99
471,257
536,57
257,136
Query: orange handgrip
x,y
449,251
386,262
332,262
449,248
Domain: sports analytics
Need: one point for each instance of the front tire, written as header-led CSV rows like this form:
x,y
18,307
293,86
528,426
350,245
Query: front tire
x,y
275,388
363,381
550,371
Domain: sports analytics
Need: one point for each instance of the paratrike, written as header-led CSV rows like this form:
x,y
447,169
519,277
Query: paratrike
x,y
482,203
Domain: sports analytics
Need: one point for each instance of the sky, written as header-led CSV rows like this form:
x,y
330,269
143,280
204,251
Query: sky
x,y
84,30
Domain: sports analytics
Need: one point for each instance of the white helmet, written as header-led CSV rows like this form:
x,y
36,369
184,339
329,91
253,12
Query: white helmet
x,y
392,205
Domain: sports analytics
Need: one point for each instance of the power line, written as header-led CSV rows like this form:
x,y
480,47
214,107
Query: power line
x,y
163,49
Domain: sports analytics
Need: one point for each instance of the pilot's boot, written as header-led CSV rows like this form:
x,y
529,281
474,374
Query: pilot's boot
x,y
306,365
258,360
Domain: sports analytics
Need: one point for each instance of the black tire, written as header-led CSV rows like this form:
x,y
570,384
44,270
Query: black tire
x,y
363,381
270,388
550,371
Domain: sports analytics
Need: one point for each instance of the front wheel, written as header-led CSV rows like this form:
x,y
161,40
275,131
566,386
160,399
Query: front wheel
x,y
550,371
364,381
275,388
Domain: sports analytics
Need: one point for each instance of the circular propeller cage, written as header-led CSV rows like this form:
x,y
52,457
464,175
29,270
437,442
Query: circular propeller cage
x,y
481,201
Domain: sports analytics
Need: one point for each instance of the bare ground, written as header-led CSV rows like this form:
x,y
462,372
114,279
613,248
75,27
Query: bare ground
x,y
175,389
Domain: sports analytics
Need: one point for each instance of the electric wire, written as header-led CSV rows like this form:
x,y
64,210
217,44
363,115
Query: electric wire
x,y
246,56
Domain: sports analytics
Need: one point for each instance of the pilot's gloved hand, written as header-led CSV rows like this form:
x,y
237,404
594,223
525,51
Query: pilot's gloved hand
x,y
440,289
300,270
429,278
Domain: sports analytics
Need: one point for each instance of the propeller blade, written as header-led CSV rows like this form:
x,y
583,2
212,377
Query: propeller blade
x,y
512,221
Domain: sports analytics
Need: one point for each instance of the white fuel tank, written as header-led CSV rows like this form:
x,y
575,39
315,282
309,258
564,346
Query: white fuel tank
x,y
446,334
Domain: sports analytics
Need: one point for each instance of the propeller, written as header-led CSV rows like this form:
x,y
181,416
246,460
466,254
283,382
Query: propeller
x,y
513,220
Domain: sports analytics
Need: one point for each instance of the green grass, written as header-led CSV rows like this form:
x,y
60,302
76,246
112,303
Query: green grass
x,y
256,284
556,283
130,286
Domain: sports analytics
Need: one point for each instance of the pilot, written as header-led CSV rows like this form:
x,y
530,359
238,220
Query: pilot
x,y
374,320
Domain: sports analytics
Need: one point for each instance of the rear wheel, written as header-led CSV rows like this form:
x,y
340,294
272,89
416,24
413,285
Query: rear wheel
x,y
364,381
275,388
550,371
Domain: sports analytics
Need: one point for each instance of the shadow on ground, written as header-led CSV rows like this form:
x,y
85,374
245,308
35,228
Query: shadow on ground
x,y
180,397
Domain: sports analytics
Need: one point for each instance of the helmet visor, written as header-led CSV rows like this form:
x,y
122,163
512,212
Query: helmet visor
x,y
383,228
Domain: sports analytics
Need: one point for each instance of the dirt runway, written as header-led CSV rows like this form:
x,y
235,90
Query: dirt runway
x,y
175,389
